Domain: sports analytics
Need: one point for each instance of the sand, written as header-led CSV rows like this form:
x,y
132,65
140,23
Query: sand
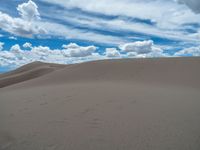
x,y
130,104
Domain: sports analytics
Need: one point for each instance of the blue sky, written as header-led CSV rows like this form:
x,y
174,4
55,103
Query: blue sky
x,y
74,31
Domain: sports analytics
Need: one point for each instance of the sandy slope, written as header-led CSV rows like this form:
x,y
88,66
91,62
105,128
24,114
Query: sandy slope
x,y
27,72
142,104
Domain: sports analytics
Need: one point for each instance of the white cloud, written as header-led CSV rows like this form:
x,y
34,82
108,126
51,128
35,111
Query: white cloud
x,y
32,27
70,54
56,29
73,53
19,26
112,52
41,51
17,51
140,47
157,52
167,14
28,11
7,59
7,55
193,4
132,54
192,51
71,46
12,38
16,48
74,50
162,29
12,58
1,46
168,17
22,26
27,45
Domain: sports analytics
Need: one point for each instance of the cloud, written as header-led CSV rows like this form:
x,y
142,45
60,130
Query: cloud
x,y
168,16
70,46
142,49
152,54
111,26
11,59
192,51
139,47
74,53
112,52
192,4
28,11
74,50
16,48
12,38
27,45
28,25
25,26
1,46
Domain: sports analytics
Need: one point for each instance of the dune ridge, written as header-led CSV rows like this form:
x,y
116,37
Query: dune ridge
x,y
27,72
177,71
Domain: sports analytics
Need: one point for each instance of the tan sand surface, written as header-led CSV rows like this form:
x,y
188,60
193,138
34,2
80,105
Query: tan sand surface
x,y
130,104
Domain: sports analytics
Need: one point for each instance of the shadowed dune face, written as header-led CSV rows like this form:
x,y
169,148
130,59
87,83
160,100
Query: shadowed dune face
x,y
145,104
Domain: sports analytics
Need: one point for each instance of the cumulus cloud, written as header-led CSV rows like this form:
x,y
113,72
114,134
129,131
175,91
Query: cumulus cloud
x,y
74,50
112,52
74,53
28,11
71,53
192,51
27,45
1,46
22,26
142,49
139,47
147,55
192,4
70,46
17,51
132,54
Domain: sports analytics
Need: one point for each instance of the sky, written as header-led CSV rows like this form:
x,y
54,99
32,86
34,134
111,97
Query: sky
x,y
75,31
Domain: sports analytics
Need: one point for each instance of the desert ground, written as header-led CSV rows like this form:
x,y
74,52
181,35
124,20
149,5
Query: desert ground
x,y
129,104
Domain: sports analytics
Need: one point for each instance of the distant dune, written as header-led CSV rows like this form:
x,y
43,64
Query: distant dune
x,y
129,104
27,72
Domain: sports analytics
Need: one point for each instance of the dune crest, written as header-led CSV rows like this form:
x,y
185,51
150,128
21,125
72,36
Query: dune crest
x,y
27,72
171,71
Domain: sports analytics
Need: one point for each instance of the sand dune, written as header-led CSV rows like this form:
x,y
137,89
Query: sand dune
x,y
176,71
143,104
27,72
